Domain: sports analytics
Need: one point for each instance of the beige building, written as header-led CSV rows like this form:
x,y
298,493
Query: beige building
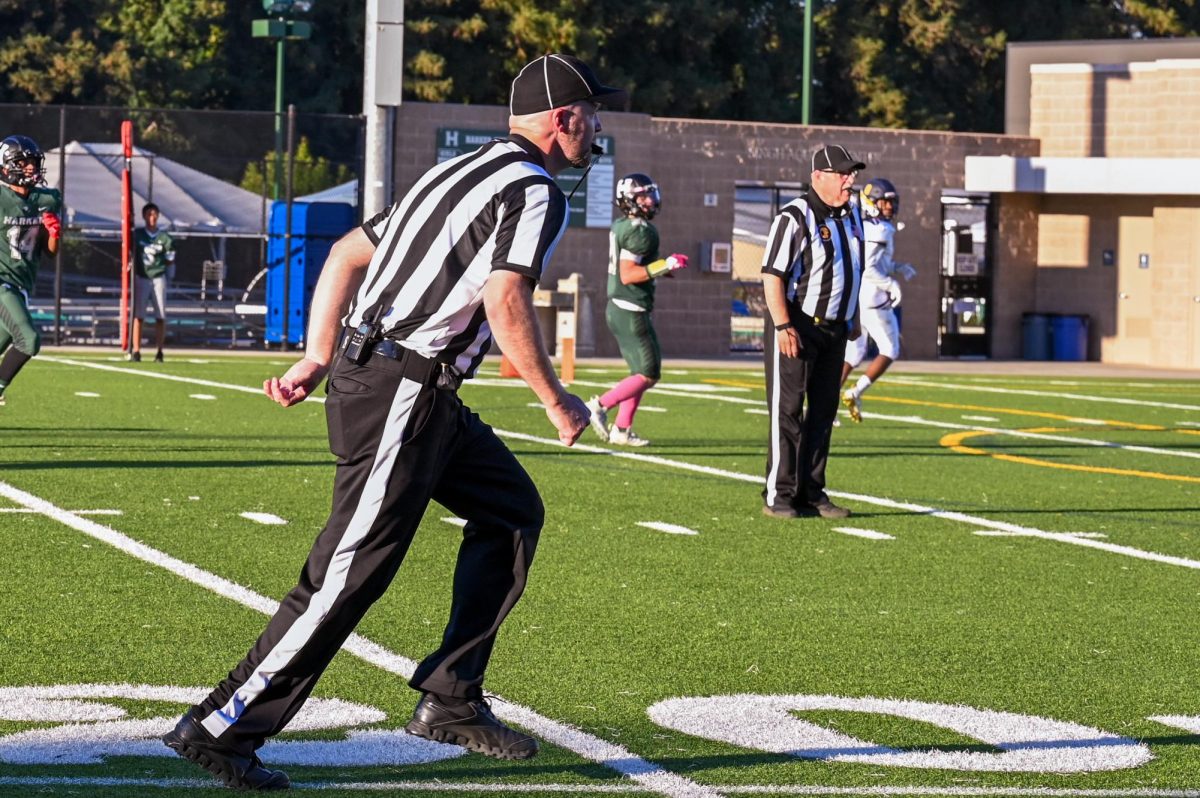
x,y
1063,217
1113,198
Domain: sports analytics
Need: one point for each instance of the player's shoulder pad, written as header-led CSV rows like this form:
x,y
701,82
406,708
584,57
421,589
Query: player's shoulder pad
x,y
639,237
878,231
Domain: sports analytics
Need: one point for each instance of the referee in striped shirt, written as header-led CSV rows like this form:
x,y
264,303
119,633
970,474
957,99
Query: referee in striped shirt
x,y
812,267
405,309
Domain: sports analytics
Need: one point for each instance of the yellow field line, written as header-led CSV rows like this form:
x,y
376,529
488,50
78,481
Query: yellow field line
x,y
735,383
953,441
1007,411
986,409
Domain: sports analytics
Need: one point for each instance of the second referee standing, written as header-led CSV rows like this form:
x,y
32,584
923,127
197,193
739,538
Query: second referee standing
x,y
405,309
812,267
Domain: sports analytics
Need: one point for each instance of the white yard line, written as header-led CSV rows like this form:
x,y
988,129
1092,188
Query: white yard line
x,y
670,529
1081,397
919,509
616,789
151,374
269,519
869,534
996,533
758,408
77,512
651,777
971,520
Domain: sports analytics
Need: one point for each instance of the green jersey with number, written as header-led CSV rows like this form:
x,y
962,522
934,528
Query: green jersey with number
x,y
637,240
155,252
22,231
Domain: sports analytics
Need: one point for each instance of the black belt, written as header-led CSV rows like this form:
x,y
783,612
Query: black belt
x,y
415,365
819,321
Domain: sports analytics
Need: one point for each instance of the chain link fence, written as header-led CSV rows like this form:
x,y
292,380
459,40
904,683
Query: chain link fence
x,y
214,176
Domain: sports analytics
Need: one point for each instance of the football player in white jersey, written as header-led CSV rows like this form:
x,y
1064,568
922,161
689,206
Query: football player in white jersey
x,y
880,292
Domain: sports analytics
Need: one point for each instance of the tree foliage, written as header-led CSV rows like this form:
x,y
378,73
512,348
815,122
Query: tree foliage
x,y
138,53
939,64
310,173
892,63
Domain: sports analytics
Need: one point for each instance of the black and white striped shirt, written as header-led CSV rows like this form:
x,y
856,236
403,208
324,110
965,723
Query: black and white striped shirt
x,y
495,208
818,251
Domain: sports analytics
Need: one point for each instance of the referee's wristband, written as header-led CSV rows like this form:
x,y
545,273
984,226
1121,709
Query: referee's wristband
x,y
782,327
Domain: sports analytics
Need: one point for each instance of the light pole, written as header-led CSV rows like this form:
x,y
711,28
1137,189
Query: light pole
x,y
806,69
280,29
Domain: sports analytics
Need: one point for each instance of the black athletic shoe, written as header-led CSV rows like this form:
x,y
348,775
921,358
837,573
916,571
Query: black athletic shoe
x,y
158,357
471,725
135,357
193,743
826,509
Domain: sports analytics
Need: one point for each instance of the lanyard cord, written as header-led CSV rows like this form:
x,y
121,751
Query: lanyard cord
x,y
597,150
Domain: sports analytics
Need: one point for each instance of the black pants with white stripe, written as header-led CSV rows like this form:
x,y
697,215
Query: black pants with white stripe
x,y
799,442
400,441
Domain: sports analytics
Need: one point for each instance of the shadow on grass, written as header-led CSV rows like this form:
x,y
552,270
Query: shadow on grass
x,y
143,465
475,767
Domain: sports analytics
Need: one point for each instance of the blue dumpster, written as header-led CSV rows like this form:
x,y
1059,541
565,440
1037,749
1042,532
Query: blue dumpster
x,y
1035,336
315,226
1069,337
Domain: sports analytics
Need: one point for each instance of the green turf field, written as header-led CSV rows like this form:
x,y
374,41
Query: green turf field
x,y
1010,611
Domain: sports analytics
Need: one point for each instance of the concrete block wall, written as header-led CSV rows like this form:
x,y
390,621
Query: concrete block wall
x,y
1139,110
1014,287
1060,109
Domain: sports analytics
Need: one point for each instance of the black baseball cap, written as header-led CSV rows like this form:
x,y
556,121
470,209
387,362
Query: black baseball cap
x,y
555,80
835,157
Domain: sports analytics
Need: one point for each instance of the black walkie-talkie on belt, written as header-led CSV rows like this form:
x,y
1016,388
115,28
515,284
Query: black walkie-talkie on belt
x,y
358,349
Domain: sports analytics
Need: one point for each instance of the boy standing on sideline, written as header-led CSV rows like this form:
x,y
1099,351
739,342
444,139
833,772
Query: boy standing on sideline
x,y
29,225
633,266
880,292
154,256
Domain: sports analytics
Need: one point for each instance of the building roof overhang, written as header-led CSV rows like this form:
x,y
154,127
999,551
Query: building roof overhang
x,y
1131,176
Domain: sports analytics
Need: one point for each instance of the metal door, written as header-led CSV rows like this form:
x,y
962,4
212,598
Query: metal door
x,y
1135,310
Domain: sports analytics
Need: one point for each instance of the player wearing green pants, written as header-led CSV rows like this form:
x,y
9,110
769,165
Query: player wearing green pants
x,y
29,225
633,267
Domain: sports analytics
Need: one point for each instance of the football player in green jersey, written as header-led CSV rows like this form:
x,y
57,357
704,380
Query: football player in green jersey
x,y
633,267
154,261
30,225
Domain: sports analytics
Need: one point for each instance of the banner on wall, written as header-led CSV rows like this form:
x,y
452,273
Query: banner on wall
x,y
592,205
